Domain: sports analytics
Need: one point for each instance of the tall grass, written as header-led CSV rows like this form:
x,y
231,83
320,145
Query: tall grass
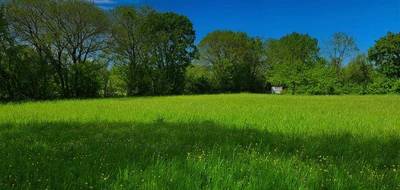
x,y
242,141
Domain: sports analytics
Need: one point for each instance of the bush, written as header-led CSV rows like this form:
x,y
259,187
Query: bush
x,y
198,80
384,85
321,80
116,84
395,86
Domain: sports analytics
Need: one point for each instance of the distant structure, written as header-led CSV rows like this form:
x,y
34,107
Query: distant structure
x,y
277,90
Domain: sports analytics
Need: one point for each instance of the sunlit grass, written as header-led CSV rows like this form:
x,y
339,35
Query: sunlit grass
x,y
242,141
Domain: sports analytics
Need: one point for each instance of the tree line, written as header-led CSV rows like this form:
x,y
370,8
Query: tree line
x,y
73,49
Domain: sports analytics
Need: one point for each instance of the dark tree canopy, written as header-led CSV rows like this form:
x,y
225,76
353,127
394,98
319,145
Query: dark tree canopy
x,y
156,48
129,47
236,60
386,55
19,78
67,36
172,49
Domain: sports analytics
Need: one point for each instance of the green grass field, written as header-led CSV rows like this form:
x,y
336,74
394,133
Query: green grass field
x,y
242,141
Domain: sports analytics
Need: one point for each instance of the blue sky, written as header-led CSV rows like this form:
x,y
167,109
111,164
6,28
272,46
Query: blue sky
x,y
365,20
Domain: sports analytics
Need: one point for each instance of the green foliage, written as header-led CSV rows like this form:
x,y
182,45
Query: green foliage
x,y
21,71
129,46
359,71
116,84
156,47
242,141
289,59
65,36
383,85
236,61
19,78
3,24
4,36
321,79
358,74
172,48
87,79
386,55
198,80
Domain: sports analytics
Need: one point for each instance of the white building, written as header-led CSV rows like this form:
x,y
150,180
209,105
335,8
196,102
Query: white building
x,y
277,90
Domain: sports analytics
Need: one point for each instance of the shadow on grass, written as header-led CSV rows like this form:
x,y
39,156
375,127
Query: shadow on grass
x,y
68,155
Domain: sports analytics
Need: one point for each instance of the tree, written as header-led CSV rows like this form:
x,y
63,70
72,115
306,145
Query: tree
x,y
358,73
6,89
129,47
20,73
385,54
65,35
171,48
26,22
341,47
236,60
289,58
82,29
154,48
321,79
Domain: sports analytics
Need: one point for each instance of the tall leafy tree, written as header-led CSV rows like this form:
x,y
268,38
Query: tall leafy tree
x,y
20,73
154,48
25,20
82,29
386,55
129,46
236,60
171,49
289,58
65,35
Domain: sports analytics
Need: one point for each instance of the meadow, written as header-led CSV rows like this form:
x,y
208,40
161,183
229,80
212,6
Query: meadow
x,y
237,141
